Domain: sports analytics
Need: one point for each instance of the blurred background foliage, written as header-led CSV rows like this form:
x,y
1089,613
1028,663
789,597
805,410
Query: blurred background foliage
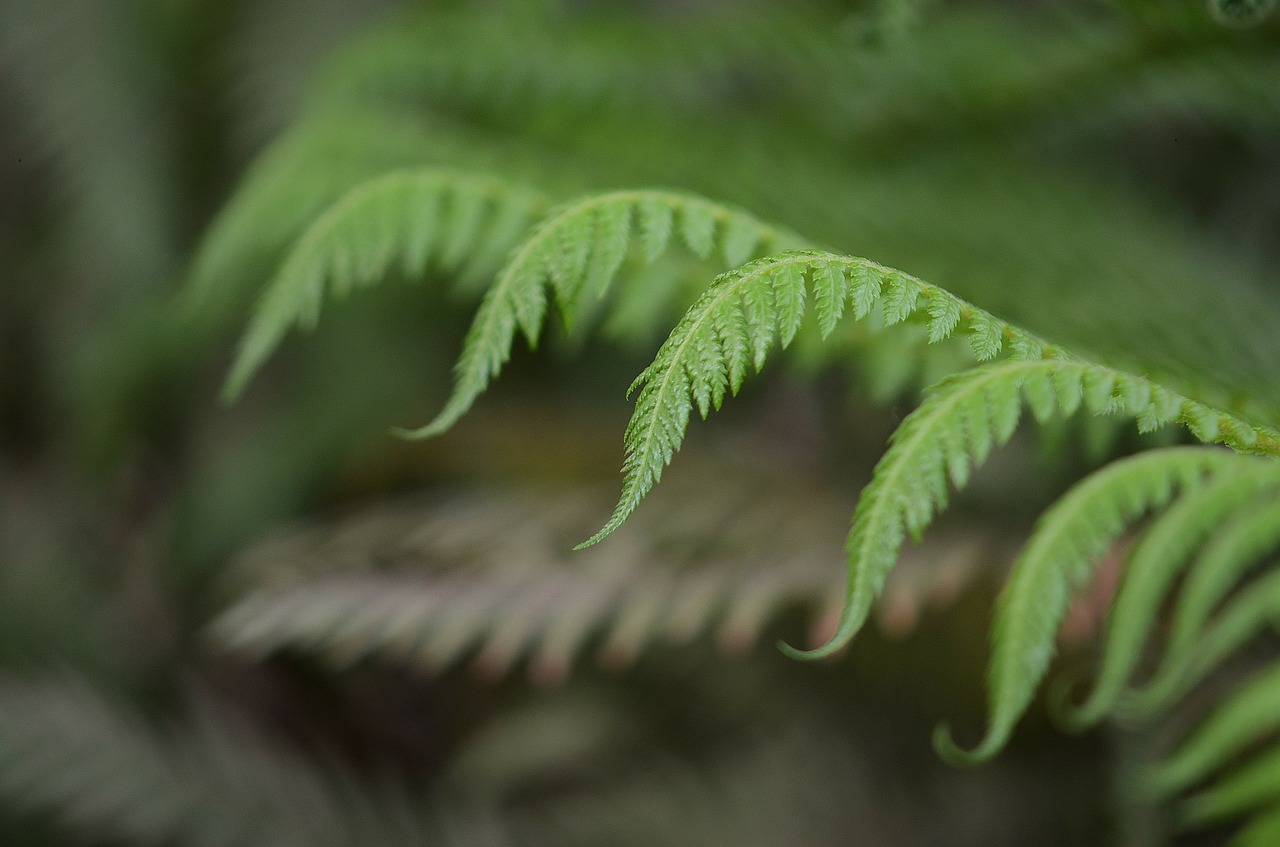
x,y
1102,172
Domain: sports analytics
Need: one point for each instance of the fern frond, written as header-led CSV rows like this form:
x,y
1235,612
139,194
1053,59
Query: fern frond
x,y
1252,611
428,584
739,317
1059,558
549,617
462,223
295,179
1156,563
746,311
1248,714
1236,548
575,255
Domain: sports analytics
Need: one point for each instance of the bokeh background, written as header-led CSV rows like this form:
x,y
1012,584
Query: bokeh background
x,y
270,622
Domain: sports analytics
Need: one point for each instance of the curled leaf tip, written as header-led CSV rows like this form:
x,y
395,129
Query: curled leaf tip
x,y
845,630
419,434
1068,715
954,754
442,423
835,645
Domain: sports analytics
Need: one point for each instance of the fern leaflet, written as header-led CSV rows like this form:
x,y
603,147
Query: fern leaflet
x,y
1249,714
1059,557
1156,563
737,319
463,223
1222,562
576,253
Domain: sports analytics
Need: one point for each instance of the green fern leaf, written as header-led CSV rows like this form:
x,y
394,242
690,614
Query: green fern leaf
x,y
689,367
698,226
1154,566
1059,558
830,292
985,336
656,220
1249,714
753,306
1248,614
1239,544
406,218
1254,785
901,298
582,246
910,481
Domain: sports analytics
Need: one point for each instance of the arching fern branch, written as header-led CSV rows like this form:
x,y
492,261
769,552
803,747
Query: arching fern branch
x,y
1194,493
462,223
1059,557
1198,519
292,181
575,255
1237,546
746,311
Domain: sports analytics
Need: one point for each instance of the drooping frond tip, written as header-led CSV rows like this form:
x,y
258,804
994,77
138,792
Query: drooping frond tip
x,y
1200,518
735,323
574,255
747,311
744,313
1058,559
414,219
